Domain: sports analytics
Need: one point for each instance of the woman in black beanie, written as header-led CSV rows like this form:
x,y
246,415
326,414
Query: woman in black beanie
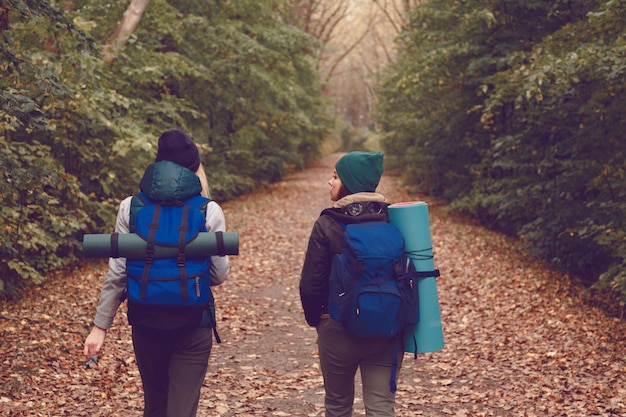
x,y
172,344
353,190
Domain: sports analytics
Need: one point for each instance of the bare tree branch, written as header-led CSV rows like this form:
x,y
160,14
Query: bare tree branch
x,y
355,44
390,19
336,62
383,44
330,23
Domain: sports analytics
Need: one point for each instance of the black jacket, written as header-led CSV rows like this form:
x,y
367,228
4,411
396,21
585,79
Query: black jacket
x,y
325,241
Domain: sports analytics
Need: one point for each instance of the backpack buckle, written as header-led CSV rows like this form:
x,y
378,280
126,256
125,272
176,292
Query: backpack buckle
x,y
360,266
180,259
398,270
149,254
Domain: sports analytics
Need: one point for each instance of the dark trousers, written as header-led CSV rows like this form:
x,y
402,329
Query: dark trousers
x,y
172,365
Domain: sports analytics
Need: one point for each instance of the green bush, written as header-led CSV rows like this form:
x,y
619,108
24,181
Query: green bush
x,y
513,113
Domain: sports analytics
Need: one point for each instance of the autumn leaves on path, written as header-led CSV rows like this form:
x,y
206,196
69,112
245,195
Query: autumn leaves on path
x,y
517,343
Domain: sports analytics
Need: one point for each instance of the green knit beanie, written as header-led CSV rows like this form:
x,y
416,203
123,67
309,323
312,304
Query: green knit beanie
x,y
360,171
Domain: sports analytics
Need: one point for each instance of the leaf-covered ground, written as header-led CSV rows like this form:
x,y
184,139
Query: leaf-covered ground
x,y
518,339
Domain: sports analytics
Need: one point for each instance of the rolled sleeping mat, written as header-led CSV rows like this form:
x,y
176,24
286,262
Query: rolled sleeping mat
x,y
411,218
132,246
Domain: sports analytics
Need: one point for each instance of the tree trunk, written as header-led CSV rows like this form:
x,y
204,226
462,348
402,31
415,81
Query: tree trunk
x,y
127,26
4,17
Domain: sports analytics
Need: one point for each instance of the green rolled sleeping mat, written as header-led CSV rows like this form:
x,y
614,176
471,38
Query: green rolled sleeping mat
x,y
132,246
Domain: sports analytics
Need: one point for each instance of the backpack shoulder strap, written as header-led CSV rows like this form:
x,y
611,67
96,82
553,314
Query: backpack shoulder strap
x,y
180,260
154,225
138,202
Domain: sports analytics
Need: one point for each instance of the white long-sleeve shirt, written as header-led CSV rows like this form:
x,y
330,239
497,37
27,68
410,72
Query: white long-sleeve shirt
x,y
115,281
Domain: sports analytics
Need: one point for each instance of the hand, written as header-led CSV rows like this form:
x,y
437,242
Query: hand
x,y
94,342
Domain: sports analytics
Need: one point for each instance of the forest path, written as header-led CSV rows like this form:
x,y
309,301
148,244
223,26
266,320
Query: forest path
x,y
518,340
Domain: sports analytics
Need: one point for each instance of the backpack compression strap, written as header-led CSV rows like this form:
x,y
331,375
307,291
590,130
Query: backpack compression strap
x,y
180,261
416,255
154,225
221,248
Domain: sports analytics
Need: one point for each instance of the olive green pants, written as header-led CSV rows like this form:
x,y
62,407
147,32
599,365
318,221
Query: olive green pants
x,y
341,354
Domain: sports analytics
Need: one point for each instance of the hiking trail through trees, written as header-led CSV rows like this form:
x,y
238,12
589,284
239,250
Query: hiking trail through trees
x,y
518,339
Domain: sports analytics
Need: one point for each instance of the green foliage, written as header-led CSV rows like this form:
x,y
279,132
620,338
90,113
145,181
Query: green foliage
x,y
43,210
514,114
77,131
239,80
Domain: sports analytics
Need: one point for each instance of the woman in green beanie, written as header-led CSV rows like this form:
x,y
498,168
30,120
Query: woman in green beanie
x,y
353,191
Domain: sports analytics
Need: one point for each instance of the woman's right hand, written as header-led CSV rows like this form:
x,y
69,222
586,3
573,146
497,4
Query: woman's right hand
x,y
94,342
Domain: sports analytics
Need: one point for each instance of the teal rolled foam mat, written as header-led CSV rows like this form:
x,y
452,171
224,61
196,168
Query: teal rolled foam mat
x,y
411,218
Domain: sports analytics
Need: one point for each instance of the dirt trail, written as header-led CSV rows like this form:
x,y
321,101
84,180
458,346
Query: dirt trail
x,y
517,343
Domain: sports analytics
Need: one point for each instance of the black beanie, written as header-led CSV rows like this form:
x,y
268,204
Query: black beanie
x,y
360,171
176,146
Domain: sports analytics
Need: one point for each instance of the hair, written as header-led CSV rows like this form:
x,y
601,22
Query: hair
x,y
343,191
201,173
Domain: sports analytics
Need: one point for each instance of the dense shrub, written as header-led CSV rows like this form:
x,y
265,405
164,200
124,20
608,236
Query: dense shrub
x,y
76,131
513,112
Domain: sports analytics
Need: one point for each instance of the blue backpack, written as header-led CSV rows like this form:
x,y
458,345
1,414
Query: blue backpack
x,y
372,288
172,282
